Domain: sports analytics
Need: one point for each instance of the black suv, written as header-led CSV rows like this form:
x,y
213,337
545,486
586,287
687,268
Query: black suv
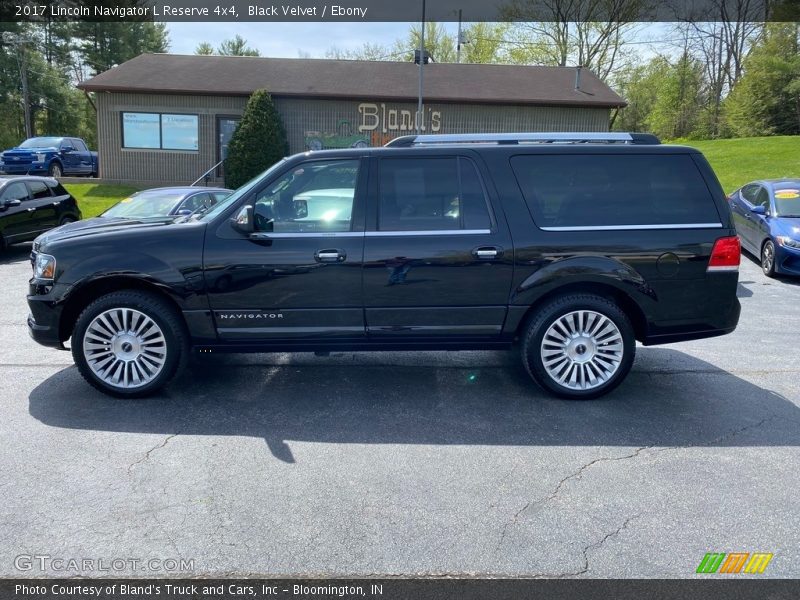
x,y
569,246
30,205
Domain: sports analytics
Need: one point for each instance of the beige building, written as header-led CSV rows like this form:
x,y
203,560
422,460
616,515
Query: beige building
x,y
168,118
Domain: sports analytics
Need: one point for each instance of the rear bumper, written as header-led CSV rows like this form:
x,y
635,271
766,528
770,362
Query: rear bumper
x,y
721,324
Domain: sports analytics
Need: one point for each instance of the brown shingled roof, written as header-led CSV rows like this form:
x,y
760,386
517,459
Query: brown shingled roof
x,y
444,82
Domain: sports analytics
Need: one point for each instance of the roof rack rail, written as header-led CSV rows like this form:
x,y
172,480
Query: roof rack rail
x,y
407,141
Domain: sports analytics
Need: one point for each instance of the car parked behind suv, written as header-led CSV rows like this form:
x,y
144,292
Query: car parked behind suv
x,y
568,247
32,205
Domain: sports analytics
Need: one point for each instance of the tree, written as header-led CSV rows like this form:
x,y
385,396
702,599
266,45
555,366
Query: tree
x,y
204,49
106,44
258,142
766,99
236,46
590,34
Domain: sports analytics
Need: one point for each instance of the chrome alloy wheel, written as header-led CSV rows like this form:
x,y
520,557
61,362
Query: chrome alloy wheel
x,y
582,350
767,257
124,348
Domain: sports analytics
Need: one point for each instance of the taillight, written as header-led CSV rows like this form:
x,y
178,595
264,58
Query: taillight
x,y
725,255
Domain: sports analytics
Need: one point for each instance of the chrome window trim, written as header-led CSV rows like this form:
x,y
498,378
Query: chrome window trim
x,y
430,232
308,234
635,227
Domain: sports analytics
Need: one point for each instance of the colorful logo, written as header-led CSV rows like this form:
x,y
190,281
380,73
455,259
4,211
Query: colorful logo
x,y
734,562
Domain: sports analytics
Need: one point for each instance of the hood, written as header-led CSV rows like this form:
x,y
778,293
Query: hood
x,y
18,150
99,226
789,226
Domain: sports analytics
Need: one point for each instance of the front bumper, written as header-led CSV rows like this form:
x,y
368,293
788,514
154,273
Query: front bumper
x,y
46,304
787,260
23,168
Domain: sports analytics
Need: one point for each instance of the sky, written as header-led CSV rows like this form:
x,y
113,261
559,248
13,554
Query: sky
x,y
286,40
289,40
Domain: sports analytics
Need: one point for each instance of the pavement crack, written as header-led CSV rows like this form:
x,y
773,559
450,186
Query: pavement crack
x,y
557,490
147,454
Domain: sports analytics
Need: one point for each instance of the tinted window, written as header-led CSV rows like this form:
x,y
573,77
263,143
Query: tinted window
x,y
79,145
14,191
430,194
762,198
39,189
749,192
607,190
314,196
197,201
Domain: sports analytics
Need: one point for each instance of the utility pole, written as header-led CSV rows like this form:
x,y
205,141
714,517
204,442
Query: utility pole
x,y
421,65
459,42
22,62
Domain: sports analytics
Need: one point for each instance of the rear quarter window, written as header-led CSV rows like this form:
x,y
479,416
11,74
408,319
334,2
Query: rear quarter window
x,y
605,190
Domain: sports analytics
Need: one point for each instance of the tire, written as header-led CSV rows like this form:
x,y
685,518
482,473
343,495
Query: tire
x,y
55,170
768,258
66,220
588,365
111,359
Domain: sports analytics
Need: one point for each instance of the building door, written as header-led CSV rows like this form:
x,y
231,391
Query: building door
x,y
225,128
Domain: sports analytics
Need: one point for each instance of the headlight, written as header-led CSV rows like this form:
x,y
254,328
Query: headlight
x,y
40,157
785,240
44,267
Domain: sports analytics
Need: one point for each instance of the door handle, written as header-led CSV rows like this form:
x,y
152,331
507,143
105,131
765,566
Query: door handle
x,y
487,252
330,255
31,209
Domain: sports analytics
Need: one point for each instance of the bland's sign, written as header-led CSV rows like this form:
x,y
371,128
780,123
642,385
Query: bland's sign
x,y
379,117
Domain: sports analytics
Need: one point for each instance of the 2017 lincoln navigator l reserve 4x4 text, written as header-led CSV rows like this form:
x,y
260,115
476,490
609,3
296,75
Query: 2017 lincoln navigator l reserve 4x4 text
x,y
569,247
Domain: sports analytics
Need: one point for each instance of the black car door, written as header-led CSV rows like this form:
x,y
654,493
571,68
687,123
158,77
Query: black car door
x,y
438,263
16,218
44,205
299,275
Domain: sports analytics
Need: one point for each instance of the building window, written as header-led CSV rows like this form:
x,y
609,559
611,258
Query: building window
x,y
159,131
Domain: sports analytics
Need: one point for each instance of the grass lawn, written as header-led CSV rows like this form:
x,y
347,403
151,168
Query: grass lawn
x,y
94,198
739,161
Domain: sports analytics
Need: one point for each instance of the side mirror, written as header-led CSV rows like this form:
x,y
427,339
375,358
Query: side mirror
x,y
759,210
243,221
66,149
184,212
12,203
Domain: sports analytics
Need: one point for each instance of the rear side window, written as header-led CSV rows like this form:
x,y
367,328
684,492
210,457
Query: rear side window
x,y
594,190
79,145
38,190
431,194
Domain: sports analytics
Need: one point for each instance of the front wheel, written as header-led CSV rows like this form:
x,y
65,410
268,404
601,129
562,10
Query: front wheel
x,y
129,344
768,258
579,346
55,170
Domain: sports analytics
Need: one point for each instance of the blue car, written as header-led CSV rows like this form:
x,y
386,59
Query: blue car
x,y
767,218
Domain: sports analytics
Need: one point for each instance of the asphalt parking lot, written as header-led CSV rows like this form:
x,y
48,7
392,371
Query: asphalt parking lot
x,y
409,463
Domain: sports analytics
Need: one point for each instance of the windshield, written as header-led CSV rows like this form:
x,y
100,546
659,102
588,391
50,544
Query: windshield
x,y
41,142
240,192
787,201
145,205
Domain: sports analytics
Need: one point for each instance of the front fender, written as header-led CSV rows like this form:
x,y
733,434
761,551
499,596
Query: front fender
x,y
184,286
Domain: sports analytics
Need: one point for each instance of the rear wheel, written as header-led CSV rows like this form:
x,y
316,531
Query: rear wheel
x,y
66,220
768,258
129,344
579,346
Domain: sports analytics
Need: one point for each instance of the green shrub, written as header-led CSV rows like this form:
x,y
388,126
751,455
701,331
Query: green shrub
x,y
258,142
